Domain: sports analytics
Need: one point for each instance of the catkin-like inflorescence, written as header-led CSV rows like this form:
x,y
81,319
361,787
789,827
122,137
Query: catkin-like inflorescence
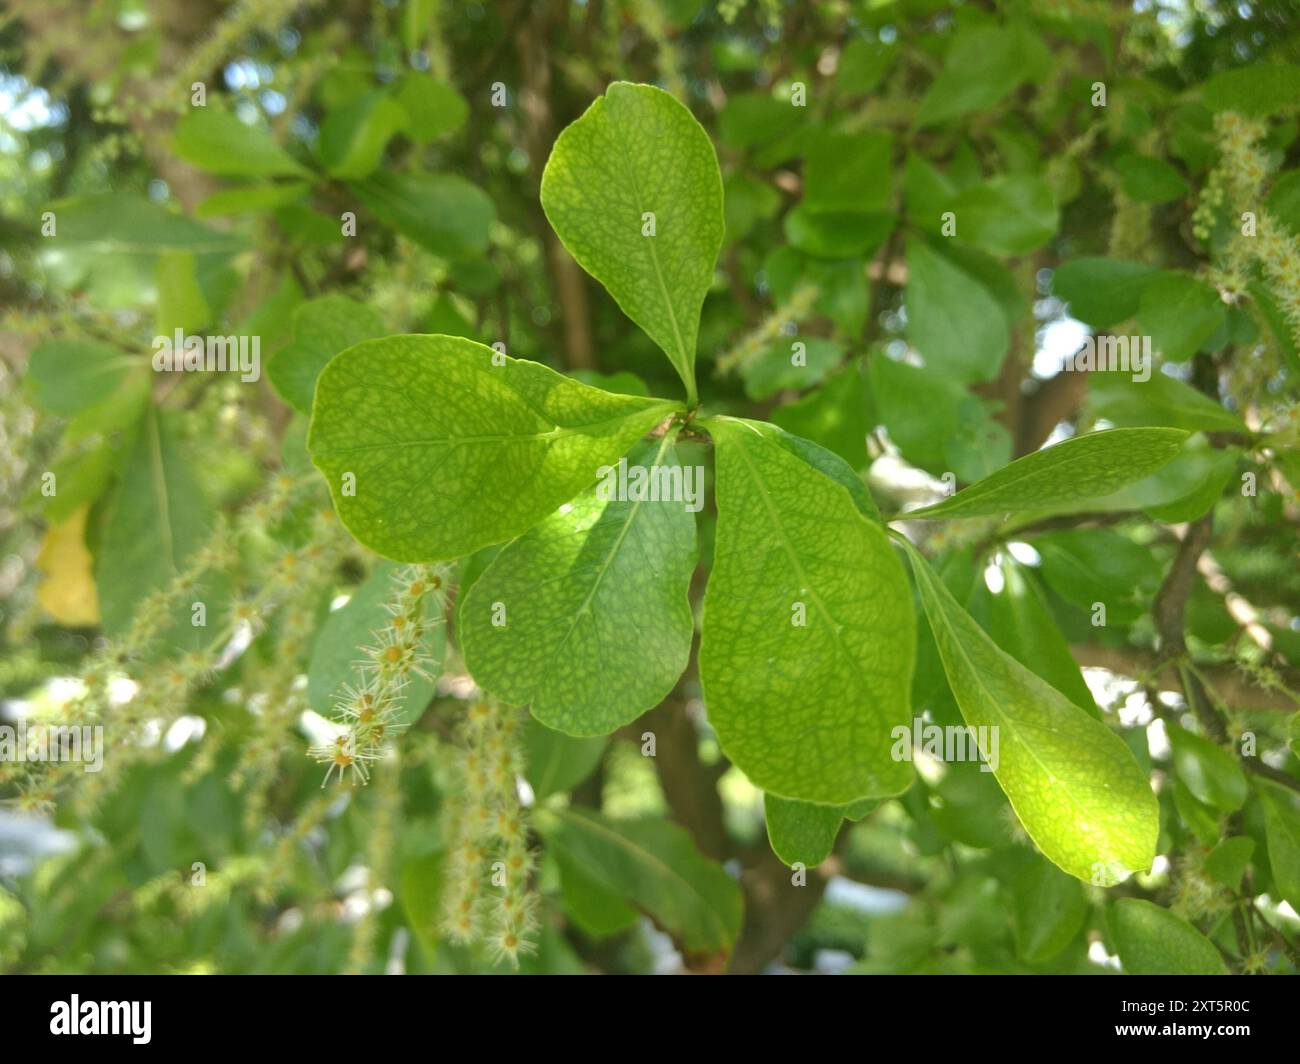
x,y
1236,185
367,710
489,896
769,331
131,685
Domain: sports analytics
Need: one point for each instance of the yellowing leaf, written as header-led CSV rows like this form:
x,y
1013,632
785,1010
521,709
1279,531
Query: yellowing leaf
x,y
67,590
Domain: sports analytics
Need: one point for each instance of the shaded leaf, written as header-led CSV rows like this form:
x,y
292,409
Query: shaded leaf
x,y
157,518
321,329
655,866
953,320
216,141
556,762
1153,941
441,212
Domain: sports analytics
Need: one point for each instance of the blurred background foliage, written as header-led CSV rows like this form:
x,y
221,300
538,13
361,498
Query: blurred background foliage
x,y
314,174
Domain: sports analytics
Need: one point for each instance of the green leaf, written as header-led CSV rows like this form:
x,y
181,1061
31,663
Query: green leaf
x,y
804,833
1209,772
441,212
119,223
622,382
655,866
1101,292
422,880
252,199
1007,215
828,463
181,303
1284,200
321,329
586,618
637,151
1282,831
1083,467
967,806
841,293
833,415
424,422
953,320
1073,783
418,18
983,64
1162,400
353,137
775,369
1200,818
1258,89
863,64
1086,566
216,141
837,234
115,410
1228,861
806,710
432,109
108,245
1181,491
755,118
1048,908
748,201
272,317
79,479
596,909
1179,313
927,192
157,519
66,375
353,626
13,929
556,762
1153,941
935,421
1274,317
1020,623
305,224
848,172
1147,179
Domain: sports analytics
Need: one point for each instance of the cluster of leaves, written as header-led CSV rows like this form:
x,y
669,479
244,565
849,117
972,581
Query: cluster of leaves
x,y
857,303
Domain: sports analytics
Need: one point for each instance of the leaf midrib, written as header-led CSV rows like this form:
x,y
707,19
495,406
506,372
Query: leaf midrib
x,y
624,155
612,553
996,712
790,552
1026,481
550,435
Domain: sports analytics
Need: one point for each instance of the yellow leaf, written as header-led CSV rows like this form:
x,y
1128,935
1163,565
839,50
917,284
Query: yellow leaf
x,y
68,589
